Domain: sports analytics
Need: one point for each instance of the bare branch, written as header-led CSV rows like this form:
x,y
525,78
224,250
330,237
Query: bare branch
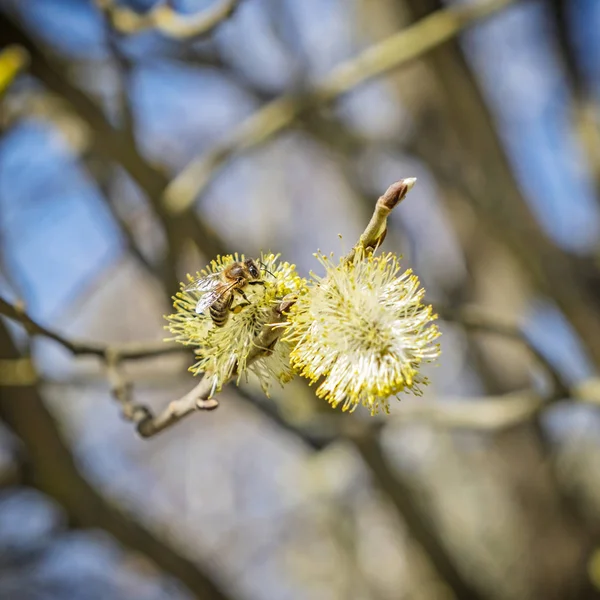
x,y
165,20
50,467
124,351
122,390
122,69
393,52
199,397
485,414
125,226
492,413
196,399
412,509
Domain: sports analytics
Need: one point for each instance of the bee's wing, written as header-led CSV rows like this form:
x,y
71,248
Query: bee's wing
x,y
203,284
211,296
207,300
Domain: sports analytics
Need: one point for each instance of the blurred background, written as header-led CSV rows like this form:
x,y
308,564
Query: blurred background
x,y
138,140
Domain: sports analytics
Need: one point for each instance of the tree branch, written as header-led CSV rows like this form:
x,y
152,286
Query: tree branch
x,y
393,52
401,494
113,145
122,351
50,468
165,20
199,398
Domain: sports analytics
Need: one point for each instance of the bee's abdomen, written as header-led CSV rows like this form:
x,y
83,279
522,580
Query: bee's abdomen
x,y
219,311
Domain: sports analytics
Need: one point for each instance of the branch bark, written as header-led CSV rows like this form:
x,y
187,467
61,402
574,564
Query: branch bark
x,y
131,350
199,398
51,469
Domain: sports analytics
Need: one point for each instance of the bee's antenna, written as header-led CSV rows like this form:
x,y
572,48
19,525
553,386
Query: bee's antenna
x,y
262,264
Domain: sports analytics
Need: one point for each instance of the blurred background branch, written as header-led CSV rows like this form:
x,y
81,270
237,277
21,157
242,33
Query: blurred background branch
x,y
280,113
115,120
129,350
163,18
50,467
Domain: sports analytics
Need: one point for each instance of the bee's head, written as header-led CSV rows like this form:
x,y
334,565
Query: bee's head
x,y
252,268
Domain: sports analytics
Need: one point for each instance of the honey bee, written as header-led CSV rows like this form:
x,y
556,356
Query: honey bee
x,y
218,289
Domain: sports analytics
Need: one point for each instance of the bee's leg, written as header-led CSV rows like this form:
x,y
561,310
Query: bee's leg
x,y
236,309
242,294
257,282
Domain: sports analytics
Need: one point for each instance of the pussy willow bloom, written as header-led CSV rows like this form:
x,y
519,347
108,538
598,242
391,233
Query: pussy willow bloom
x,y
223,351
363,331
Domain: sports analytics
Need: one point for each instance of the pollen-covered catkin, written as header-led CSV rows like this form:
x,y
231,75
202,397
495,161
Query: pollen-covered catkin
x,y
222,352
362,331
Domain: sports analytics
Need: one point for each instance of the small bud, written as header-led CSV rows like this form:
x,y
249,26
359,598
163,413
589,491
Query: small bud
x,y
397,192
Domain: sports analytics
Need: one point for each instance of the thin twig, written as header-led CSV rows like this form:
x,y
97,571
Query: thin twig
x,y
124,351
122,390
123,67
391,53
200,397
164,19
126,229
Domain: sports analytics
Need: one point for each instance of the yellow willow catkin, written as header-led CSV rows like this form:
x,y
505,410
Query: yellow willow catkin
x,y
221,350
362,331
